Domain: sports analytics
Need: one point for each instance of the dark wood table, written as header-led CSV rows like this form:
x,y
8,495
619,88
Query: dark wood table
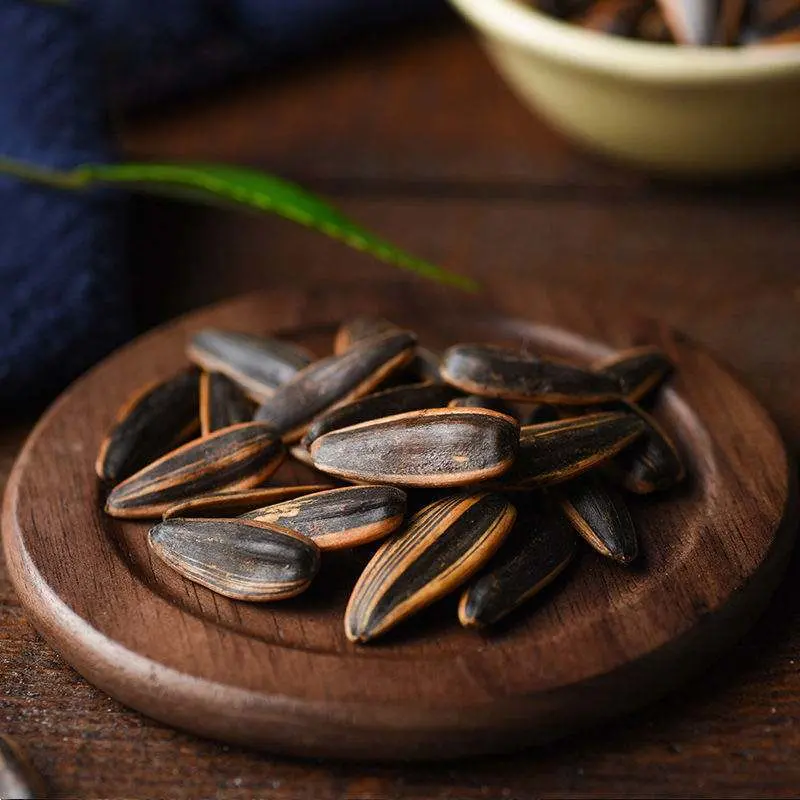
x,y
419,139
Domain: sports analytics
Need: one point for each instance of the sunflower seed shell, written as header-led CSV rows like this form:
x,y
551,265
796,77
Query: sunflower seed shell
x,y
222,403
551,452
429,448
239,457
443,545
334,381
538,549
240,559
339,518
257,364
639,370
154,420
513,375
397,400
599,514
232,504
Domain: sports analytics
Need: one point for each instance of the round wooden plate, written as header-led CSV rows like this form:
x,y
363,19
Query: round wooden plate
x,y
283,676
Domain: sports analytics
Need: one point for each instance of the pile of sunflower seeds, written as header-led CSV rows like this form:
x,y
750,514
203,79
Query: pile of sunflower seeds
x,y
477,467
685,22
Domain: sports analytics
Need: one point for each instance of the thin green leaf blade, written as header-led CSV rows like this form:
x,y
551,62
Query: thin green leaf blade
x,y
218,183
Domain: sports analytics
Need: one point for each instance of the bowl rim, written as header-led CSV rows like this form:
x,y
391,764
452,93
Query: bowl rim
x,y
524,26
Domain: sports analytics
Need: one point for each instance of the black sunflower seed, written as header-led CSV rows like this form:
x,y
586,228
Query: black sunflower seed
x,y
599,514
154,420
231,504
654,463
222,403
357,329
241,559
257,364
538,549
398,400
551,452
639,370
443,545
431,448
339,518
513,375
334,381
239,457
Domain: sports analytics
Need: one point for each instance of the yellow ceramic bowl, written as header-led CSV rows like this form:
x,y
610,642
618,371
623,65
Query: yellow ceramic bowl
x,y
671,109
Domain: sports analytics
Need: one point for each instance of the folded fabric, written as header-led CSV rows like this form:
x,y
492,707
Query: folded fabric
x,y
65,299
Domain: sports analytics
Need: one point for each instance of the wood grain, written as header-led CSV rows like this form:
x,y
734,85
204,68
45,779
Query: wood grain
x,y
422,140
285,678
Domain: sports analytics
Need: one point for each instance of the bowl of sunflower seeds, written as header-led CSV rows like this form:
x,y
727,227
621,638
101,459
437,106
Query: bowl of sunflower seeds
x,y
684,87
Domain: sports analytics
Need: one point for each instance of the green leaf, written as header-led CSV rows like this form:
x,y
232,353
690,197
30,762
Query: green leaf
x,y
217,183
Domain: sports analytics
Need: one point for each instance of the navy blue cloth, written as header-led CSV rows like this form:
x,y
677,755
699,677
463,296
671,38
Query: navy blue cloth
x,y
64,299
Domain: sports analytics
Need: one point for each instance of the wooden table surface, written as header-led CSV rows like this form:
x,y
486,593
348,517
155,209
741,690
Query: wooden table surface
x,y
419,139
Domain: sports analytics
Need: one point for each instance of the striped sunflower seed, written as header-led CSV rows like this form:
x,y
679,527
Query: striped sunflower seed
x,y
237,558
538,549
239,457
513,375
436,447
638,370
654,463
154,420
257,364
357,329
397,400
334,381
599,514
339,518
231,504
443,545
222,403
18,779
425,365
551,452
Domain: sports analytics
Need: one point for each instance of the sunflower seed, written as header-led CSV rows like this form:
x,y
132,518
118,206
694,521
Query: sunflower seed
x,y
513,375
257,364
599,514
18,779
654,463
551,452
155,419
222,403
334,381
692,22
638,370
241,559
443,545
476,401
653,28
239,457
434,448
357,329
400,399
223,504
539,547
339,518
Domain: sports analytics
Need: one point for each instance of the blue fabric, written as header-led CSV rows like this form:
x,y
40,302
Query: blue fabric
x,y
65,299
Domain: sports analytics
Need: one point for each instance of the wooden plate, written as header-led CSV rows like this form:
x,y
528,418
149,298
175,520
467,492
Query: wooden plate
x,y
283,676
